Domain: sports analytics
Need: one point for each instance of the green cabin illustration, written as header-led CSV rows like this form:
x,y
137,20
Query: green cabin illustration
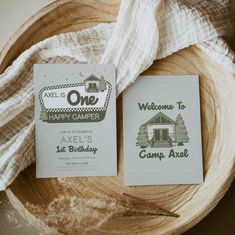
x,y
161,132
94,84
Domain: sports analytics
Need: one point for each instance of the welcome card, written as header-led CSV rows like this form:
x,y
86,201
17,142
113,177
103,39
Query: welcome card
x,y
75,118
162,131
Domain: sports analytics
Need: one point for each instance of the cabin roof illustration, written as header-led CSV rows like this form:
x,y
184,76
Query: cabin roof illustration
x,y
92,78
160,118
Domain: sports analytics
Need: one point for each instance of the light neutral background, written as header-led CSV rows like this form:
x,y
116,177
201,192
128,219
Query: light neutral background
x,y
220,221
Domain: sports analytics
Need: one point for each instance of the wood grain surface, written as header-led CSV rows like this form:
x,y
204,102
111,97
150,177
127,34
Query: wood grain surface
x,y
191,202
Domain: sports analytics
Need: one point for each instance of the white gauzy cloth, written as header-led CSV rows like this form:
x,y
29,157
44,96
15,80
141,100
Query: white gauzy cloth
x,y
145,30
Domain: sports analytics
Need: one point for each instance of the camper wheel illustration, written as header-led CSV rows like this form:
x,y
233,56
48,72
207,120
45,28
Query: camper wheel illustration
x,y
162,132
94,84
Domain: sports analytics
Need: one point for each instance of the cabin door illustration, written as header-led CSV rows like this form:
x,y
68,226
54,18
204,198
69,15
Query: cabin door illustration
x,y
160,135
92,87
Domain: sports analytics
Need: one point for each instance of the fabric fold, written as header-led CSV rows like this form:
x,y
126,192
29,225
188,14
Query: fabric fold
x,y
133,47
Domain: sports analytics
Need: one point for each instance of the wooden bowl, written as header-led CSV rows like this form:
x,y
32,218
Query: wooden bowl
x,y
191,202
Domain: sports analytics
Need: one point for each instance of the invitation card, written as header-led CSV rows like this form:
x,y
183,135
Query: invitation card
x,y
75,119
162,131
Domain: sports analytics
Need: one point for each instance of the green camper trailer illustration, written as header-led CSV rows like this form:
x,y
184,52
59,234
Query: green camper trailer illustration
x,y
162,132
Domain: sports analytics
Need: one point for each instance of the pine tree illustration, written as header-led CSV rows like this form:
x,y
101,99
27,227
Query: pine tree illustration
x,y
102,84
43,115
181,131
142,139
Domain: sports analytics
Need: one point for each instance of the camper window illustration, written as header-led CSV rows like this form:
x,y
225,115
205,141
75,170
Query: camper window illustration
x,y
78,102
161,132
